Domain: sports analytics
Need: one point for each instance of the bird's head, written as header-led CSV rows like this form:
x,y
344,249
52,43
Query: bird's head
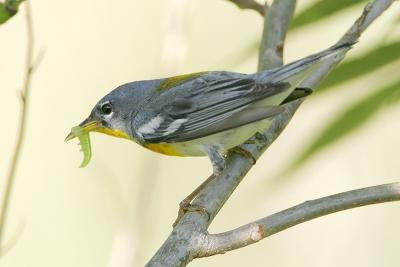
x,y
112,114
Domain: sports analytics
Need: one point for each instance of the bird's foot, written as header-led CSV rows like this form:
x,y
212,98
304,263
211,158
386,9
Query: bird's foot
x,y
260,140
186,206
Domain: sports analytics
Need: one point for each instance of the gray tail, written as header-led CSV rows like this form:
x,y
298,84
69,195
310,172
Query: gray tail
x,y
293,68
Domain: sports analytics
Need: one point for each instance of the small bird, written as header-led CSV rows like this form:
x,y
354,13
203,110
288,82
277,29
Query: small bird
x,y
205,113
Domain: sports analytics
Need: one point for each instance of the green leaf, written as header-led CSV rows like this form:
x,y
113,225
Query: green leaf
x,y
320,10
4,13
378,57
350,120
8,9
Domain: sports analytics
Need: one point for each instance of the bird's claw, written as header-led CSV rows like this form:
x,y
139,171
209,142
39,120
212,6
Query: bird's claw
x,y
241,151
186,206
259,140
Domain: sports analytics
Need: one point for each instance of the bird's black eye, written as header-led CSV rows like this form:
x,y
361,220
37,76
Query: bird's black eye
x,y
106,108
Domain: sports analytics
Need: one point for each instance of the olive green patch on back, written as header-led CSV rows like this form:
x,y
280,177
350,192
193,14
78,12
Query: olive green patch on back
x,y
176,80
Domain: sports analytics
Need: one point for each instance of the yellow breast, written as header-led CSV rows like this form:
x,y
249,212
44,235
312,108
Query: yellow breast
x,y
113,132
166,149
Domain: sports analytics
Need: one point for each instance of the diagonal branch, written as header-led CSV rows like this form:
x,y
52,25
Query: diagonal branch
x,y
182,244
256,231
187,239
215,195
250,4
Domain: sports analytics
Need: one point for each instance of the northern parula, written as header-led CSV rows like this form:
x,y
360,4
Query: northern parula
x,y
205,113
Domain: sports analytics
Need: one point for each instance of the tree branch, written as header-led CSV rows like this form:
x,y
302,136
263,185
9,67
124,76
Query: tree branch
x,y
188,238
276,24
182,244
24,97
215,195
250,4
255,231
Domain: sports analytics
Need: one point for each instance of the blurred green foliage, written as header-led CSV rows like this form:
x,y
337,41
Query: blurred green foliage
x,y
8,9
4,14
378,57
351,119
360,112
320,10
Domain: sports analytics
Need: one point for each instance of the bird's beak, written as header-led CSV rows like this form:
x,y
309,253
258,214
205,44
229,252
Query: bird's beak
x,y
87,125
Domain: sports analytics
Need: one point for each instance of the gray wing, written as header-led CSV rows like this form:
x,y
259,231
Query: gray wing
x,y
204,106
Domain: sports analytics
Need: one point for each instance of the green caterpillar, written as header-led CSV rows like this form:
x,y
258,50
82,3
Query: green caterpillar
x,y
84,142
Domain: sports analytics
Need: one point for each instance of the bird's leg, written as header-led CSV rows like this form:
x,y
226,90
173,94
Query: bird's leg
x,y
217,159
186,205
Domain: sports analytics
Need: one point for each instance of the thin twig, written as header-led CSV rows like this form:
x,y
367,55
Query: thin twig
x,y
256,231
13,239
24,98
250,4
276,25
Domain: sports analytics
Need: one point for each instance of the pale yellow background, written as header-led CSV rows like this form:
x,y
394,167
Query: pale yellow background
x,y
119,210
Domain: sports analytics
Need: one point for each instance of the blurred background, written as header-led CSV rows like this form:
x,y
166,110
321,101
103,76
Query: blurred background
x,y
119,209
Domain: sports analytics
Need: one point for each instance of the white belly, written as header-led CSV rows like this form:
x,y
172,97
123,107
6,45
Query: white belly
x,y
225,140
